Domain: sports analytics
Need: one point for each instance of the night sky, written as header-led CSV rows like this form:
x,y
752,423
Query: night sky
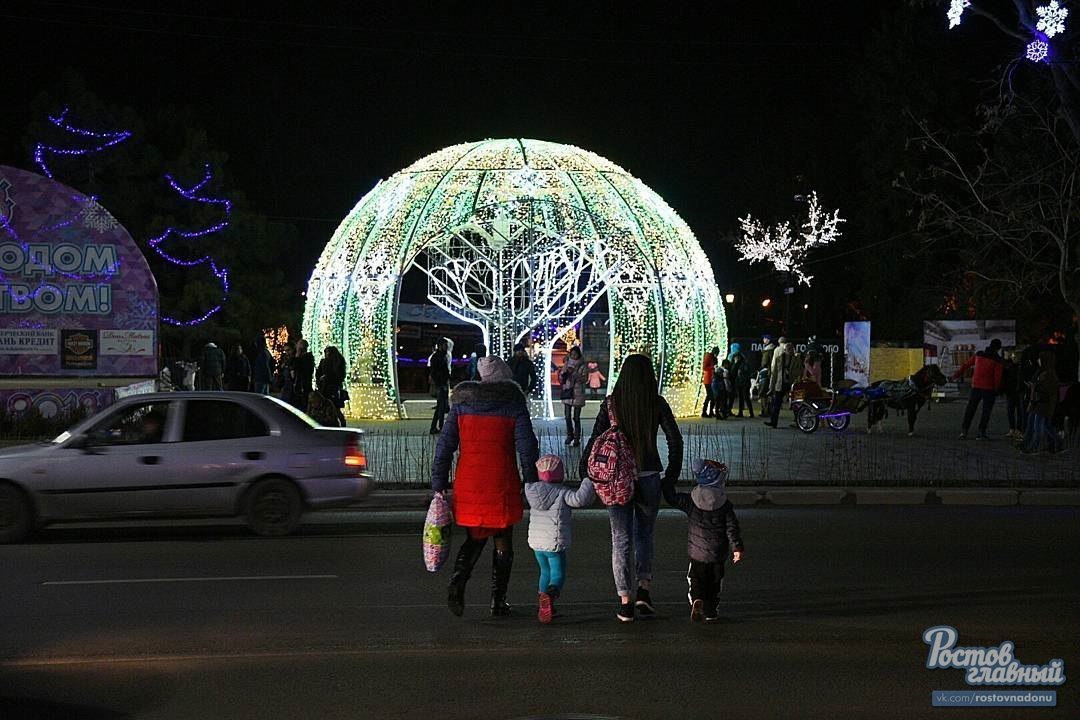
x,y
717,106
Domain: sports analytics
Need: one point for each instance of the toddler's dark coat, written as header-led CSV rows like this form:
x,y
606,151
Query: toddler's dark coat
x,y
714,528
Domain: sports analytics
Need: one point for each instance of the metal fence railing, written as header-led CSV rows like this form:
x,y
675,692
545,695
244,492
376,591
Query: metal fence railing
x,y
758,456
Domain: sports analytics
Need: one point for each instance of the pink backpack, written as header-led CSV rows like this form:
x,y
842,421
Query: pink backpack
x,y
611,465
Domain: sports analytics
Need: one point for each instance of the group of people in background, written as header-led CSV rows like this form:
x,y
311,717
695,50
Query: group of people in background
x,y
295,378
1028,381
577,380
1031,387
732,379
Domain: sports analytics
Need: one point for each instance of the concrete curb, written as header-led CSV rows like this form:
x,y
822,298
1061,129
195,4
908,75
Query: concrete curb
x,y
744,497
977,496
889,496
800,496
1050,497
806,496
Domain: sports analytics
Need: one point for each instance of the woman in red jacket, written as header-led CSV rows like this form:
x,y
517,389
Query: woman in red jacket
x,y
986,382
490,429
708,369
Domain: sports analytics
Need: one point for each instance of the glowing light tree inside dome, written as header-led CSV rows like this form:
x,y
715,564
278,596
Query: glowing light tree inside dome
x,y
519,238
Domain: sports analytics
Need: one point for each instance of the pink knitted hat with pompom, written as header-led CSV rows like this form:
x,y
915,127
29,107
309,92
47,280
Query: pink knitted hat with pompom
x,y
550,469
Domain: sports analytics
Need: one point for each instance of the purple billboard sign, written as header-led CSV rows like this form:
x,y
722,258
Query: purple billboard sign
x,y
76,295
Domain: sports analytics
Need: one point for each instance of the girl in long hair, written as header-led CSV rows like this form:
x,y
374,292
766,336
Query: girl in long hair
x,y
640,412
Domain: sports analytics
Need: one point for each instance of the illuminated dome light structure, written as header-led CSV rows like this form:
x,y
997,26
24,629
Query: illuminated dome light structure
x,y
520,238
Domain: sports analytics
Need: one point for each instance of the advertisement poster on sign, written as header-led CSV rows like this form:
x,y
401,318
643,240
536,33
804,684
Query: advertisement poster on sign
x,y
78,349
950,343
127,342
857,352
28,341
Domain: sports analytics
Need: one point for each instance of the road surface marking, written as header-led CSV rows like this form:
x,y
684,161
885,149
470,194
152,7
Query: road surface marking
x,y
234,578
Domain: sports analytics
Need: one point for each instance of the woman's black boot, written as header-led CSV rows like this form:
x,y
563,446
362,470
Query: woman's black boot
x,y
466,559
501,563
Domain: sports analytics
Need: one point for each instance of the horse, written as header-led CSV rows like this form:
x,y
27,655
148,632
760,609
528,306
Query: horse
x,y
907,395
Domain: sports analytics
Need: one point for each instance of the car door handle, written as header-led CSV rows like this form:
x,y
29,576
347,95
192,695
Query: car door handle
x,y
150,459
254,455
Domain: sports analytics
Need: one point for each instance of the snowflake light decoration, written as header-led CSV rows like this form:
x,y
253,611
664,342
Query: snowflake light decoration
x,y
956,12
96,217
1051,19
526,180
777,244
1038,50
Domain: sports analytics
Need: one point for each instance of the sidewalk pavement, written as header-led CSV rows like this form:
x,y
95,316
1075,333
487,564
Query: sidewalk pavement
x,y
401,452
802,496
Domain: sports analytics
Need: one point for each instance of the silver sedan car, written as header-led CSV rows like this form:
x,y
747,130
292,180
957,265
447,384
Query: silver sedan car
x,y
184,454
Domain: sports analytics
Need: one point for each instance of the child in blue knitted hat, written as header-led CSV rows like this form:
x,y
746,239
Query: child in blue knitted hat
x,y
713,533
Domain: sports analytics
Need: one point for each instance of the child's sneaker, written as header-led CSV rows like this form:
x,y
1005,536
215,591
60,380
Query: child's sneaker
x,y
697,611
626,612
546,608
713,615
643,603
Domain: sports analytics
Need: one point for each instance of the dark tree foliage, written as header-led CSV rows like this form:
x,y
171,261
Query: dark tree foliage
x,y
129,179
999,191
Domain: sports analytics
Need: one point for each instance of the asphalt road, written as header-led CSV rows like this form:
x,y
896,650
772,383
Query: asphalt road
x,y
823,619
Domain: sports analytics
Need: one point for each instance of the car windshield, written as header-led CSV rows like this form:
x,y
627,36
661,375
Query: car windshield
x,y
303,417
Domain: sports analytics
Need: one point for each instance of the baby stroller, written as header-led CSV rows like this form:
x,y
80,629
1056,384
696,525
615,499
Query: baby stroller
x,y
322,410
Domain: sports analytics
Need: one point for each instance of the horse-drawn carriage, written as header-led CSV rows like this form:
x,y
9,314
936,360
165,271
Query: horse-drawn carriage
x,y
812,403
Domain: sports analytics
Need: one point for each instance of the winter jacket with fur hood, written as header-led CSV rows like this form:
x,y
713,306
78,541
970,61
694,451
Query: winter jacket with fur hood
x,y
489,424
573,375
714,529
549,512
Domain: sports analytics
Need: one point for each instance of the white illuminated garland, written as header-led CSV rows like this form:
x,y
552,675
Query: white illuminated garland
x,y
956,12
777,245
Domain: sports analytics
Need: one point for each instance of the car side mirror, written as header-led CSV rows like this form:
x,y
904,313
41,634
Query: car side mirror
x,y
87,443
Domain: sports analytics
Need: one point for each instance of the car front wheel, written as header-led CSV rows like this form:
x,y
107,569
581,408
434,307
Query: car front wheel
x,y
16,516
274,507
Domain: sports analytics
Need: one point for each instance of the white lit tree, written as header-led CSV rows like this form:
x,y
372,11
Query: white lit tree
x,y
520,270
785,250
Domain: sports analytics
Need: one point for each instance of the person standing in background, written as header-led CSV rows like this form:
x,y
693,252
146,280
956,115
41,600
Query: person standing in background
x,y
439,376
330,381
596,378
741,376
985,385
572,378
303,372
237,370
524,370
1044,400
474,360
262,367
781,375
708,370
211,368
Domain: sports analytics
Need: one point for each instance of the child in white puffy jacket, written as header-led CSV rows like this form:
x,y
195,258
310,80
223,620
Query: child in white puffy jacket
x,y
549,527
